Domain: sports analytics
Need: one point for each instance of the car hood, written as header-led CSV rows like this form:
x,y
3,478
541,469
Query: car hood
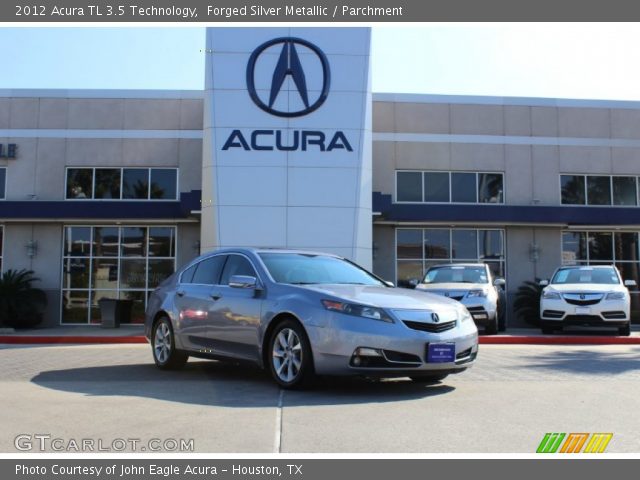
x,y
585,288
385,297
443,287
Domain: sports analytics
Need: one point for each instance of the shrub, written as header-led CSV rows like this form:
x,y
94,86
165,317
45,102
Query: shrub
x,y
527,302
21,305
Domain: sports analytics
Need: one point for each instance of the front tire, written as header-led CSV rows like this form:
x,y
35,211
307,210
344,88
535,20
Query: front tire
x,y
163,346
289,356
492,327
625,331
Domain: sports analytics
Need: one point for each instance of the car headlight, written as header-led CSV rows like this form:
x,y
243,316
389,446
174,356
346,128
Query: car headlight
x,y
551,295
464,315
615,296
356,310
477,293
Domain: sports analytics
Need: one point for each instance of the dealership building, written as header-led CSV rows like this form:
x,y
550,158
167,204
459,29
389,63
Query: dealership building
x,y
105,193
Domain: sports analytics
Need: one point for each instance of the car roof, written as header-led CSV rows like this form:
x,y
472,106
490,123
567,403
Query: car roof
x,y
258,250
458,265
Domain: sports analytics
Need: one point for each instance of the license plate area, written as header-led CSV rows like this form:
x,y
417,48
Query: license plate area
x,y
441,352
583,311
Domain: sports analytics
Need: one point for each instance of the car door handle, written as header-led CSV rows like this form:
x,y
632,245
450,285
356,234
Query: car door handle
x,y
216,296
180,293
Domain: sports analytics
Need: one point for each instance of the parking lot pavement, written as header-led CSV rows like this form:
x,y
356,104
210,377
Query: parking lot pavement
x,y
505,403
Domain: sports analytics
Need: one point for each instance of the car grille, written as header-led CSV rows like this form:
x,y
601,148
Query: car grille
x,y
583,299
431,327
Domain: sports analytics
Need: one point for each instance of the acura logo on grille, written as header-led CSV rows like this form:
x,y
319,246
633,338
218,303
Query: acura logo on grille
x,y
446,294
582,297
435,317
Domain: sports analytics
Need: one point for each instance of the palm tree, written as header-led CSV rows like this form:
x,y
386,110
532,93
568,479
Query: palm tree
x,y
21,305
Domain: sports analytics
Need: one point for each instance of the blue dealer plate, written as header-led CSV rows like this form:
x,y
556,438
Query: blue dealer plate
x,y
441,352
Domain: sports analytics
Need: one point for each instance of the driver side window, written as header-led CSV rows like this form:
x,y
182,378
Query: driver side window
x,y
236,265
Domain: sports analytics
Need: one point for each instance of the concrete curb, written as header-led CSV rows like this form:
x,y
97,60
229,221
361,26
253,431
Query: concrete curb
x,y
484,340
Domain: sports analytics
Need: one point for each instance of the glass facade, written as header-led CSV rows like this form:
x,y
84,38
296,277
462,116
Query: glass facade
x,y
122,183
599,190
113,262
606,248
449,187
420,248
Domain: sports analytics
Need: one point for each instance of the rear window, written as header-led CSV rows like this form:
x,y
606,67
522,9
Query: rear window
x,y
208,270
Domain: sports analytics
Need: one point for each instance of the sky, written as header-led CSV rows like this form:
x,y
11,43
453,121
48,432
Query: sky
x,y
559,60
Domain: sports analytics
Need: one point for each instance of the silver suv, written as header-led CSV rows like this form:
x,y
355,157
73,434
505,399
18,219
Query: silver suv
x,y
473,285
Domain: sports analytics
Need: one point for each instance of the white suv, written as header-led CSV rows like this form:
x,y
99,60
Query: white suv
x,y
581,295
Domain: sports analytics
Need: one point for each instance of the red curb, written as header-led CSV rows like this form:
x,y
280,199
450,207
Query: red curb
x,y
557,340
44,339
484,340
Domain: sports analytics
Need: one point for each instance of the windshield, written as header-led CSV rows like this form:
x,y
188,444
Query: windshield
x,y
456,274
578,275
309,269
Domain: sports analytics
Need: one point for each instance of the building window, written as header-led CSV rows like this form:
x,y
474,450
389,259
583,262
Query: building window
x,y
1,246
606,248
449,187
599,190
417,249
113,262
122,184
3,183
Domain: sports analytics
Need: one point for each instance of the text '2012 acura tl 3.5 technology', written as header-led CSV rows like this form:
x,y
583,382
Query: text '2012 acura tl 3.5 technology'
x,y
303,313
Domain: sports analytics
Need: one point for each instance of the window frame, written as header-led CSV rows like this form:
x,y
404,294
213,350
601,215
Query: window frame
x,y
449,173
585,177
121,199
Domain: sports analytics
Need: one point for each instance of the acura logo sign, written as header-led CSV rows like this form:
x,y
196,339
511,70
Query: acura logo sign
x,y
435,317
288,66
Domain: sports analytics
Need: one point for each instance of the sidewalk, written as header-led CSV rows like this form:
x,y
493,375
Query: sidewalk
x,y
93,334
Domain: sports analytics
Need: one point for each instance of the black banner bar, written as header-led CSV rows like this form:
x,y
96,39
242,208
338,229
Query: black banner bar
x,y
314,469
329,11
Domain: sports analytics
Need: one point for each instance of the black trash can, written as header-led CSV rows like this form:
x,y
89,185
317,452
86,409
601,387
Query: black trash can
x,y
114,312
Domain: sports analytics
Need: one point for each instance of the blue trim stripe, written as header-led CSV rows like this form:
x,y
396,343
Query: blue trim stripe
x,y
503,214
101,209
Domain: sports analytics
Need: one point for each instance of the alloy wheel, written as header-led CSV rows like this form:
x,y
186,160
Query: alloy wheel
x,y
287,355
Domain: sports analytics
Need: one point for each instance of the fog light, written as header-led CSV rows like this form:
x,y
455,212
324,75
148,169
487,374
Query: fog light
x,y
357,361
367,352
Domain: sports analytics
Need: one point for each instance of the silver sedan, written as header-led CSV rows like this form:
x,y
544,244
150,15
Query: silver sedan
x,y
303,313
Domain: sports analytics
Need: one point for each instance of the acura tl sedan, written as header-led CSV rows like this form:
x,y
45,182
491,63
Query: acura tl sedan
x,y
298,313
580,295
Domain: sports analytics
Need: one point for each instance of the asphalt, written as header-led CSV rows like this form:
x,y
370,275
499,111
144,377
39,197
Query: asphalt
x,y
93,334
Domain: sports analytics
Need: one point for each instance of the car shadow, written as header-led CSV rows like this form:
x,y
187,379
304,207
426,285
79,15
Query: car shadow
x,y
594,362
227,384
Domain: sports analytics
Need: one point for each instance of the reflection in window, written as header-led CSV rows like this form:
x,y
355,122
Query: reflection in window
x,y
436,187
574,247
108,183
464,244
626,246
135,183
600,246
572,189
3,183
163,183
598,190
80,183
490,188
624,191
409,242
463,187
113,262
437,243
409,186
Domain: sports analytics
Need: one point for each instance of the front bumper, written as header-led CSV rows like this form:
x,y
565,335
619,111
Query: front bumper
x,y
403,349
604,313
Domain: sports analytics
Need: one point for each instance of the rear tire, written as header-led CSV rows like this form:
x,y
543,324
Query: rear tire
x,y
548,330
289,356
625,331
163,346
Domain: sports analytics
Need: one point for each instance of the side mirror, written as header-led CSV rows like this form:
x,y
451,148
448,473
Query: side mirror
x,y
499,282
414,282
543,283
630,283
388,283
243,281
